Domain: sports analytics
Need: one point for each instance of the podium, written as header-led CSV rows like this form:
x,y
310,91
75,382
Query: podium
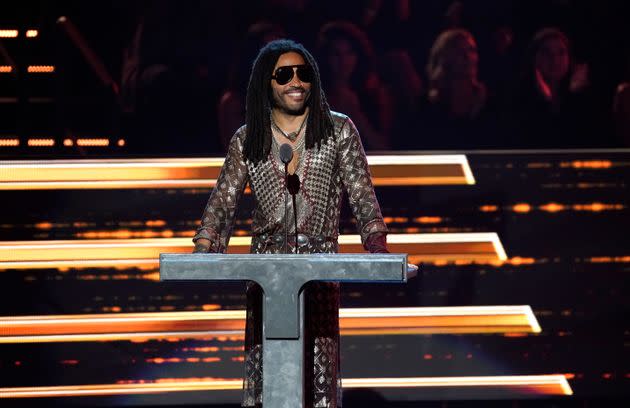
x,y
282,278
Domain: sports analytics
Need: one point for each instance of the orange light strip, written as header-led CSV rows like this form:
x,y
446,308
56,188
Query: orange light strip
x,y
8,33
40,69
535,384
41,142
405,170
93,142
529,384
202,172
5,69
32,33
438,320
9,142
118,252
211,324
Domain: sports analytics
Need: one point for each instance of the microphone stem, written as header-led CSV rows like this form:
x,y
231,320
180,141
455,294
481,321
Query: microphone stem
x,y
286,208
296,223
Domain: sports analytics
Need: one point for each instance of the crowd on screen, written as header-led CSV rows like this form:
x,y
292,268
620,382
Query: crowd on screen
x,y
412,75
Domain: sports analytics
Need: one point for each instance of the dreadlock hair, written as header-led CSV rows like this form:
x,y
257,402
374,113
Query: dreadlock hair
x,y
259,102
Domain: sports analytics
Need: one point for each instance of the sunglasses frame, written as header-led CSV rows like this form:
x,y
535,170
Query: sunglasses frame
x,y
295,70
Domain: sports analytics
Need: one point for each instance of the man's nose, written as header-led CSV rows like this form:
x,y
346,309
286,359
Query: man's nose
x,y
295,81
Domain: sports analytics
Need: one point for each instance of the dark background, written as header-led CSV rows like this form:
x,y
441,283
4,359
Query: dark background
x,y
577,284
171,62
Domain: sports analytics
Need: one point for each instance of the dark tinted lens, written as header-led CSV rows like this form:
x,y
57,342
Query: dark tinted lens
x,y
283,75
305,73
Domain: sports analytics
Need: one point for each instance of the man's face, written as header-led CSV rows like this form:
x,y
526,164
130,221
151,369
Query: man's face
x,y
291,97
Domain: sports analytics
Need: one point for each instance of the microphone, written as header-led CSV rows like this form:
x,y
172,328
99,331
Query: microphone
x,y
286,155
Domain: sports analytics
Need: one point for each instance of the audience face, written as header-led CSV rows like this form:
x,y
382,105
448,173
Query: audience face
x,y
552,59
462,59
342,60
291,97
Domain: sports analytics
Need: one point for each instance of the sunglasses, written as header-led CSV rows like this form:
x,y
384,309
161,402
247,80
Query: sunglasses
x,y
284,75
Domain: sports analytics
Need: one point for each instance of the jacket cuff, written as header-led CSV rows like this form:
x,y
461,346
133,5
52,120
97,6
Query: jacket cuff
x,y
376,243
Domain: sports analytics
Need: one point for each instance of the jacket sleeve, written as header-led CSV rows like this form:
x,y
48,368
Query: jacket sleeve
x,y
218,216
357,181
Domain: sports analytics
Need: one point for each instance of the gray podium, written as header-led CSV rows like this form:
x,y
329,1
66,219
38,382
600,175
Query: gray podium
x,y
282,278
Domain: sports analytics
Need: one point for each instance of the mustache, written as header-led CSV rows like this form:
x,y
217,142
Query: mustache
x,y
295,88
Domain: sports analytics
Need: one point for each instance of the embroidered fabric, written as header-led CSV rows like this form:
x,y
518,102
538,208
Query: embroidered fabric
x,y
338,166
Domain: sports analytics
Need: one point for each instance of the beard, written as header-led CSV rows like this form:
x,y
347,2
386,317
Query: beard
x,y
280,101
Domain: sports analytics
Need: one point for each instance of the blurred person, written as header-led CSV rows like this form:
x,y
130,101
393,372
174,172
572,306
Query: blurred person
x,y
286,104
231,109
452,72
453,110
551,107
404,90
352,84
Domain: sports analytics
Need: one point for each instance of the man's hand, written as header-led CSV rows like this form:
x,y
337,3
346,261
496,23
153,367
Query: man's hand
x,y
202,246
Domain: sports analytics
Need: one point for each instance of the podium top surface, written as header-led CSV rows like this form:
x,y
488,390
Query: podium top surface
x,y
299,268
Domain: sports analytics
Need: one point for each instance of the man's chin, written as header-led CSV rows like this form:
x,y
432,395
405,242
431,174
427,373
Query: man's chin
x,y
292,110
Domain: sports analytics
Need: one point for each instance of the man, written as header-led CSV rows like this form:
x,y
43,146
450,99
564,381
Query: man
x,y
285,104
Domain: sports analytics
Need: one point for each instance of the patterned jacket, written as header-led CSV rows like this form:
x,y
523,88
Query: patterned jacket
x,y
338,165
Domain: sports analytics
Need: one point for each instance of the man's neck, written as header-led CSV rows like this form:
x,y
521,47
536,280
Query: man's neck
x,y
288,122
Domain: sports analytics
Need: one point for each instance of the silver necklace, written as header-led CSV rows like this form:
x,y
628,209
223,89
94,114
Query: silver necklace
x,y
296,147
292,135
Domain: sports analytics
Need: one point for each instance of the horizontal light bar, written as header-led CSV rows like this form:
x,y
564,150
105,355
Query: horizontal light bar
x,y
32,33
101,142
4,33
41,142
40,69
6,69
9,142
117,252
353,322
202,172
438,320
517,385
555,384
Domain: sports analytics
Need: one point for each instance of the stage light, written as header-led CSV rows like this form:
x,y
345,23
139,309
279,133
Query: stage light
x,y
8,33
92,142
6,69
32,33
203,172
9,142
215,323
41,142
39,69
513,385
120,252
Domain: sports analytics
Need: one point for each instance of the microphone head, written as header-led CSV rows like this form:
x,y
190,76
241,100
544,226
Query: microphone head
x,y
286,153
